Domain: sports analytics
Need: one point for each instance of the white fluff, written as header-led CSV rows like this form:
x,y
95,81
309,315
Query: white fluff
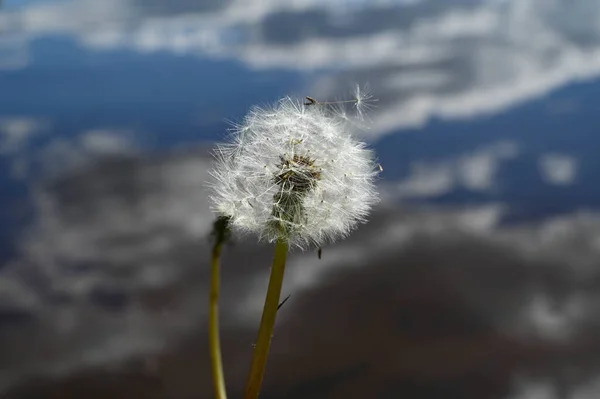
x,y
267,145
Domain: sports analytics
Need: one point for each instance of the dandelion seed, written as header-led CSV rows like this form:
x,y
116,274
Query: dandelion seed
x,y
364,101
311,101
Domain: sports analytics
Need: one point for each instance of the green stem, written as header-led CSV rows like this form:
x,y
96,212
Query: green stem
x,y
214,340
267,323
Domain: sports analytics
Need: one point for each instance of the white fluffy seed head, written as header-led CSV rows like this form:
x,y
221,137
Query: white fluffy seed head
x,y
294,171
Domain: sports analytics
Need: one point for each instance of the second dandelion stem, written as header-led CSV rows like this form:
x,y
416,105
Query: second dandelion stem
x,y
267,323
220,234
215,344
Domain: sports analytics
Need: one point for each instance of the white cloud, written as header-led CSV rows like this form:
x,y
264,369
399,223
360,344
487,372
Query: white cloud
x,y
534,390
560,170
61,154
106,142
543,319
15,132
548,389
427,180
475,171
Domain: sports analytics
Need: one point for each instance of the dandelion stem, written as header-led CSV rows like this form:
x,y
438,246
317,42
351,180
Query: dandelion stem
x,y
221,233
215,341
267,322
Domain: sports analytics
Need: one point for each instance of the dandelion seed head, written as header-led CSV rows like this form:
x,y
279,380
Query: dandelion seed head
x,y
293,170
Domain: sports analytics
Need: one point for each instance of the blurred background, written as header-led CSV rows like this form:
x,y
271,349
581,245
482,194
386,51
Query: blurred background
x,y
477,277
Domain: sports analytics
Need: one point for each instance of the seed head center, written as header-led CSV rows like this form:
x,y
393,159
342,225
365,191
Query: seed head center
x,y
297,173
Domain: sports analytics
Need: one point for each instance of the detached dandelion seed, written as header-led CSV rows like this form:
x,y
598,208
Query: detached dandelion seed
x,y
309,181
363,100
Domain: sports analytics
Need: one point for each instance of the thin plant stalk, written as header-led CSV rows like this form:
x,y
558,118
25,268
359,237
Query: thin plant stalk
x,y
267,323
220,233
214,340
